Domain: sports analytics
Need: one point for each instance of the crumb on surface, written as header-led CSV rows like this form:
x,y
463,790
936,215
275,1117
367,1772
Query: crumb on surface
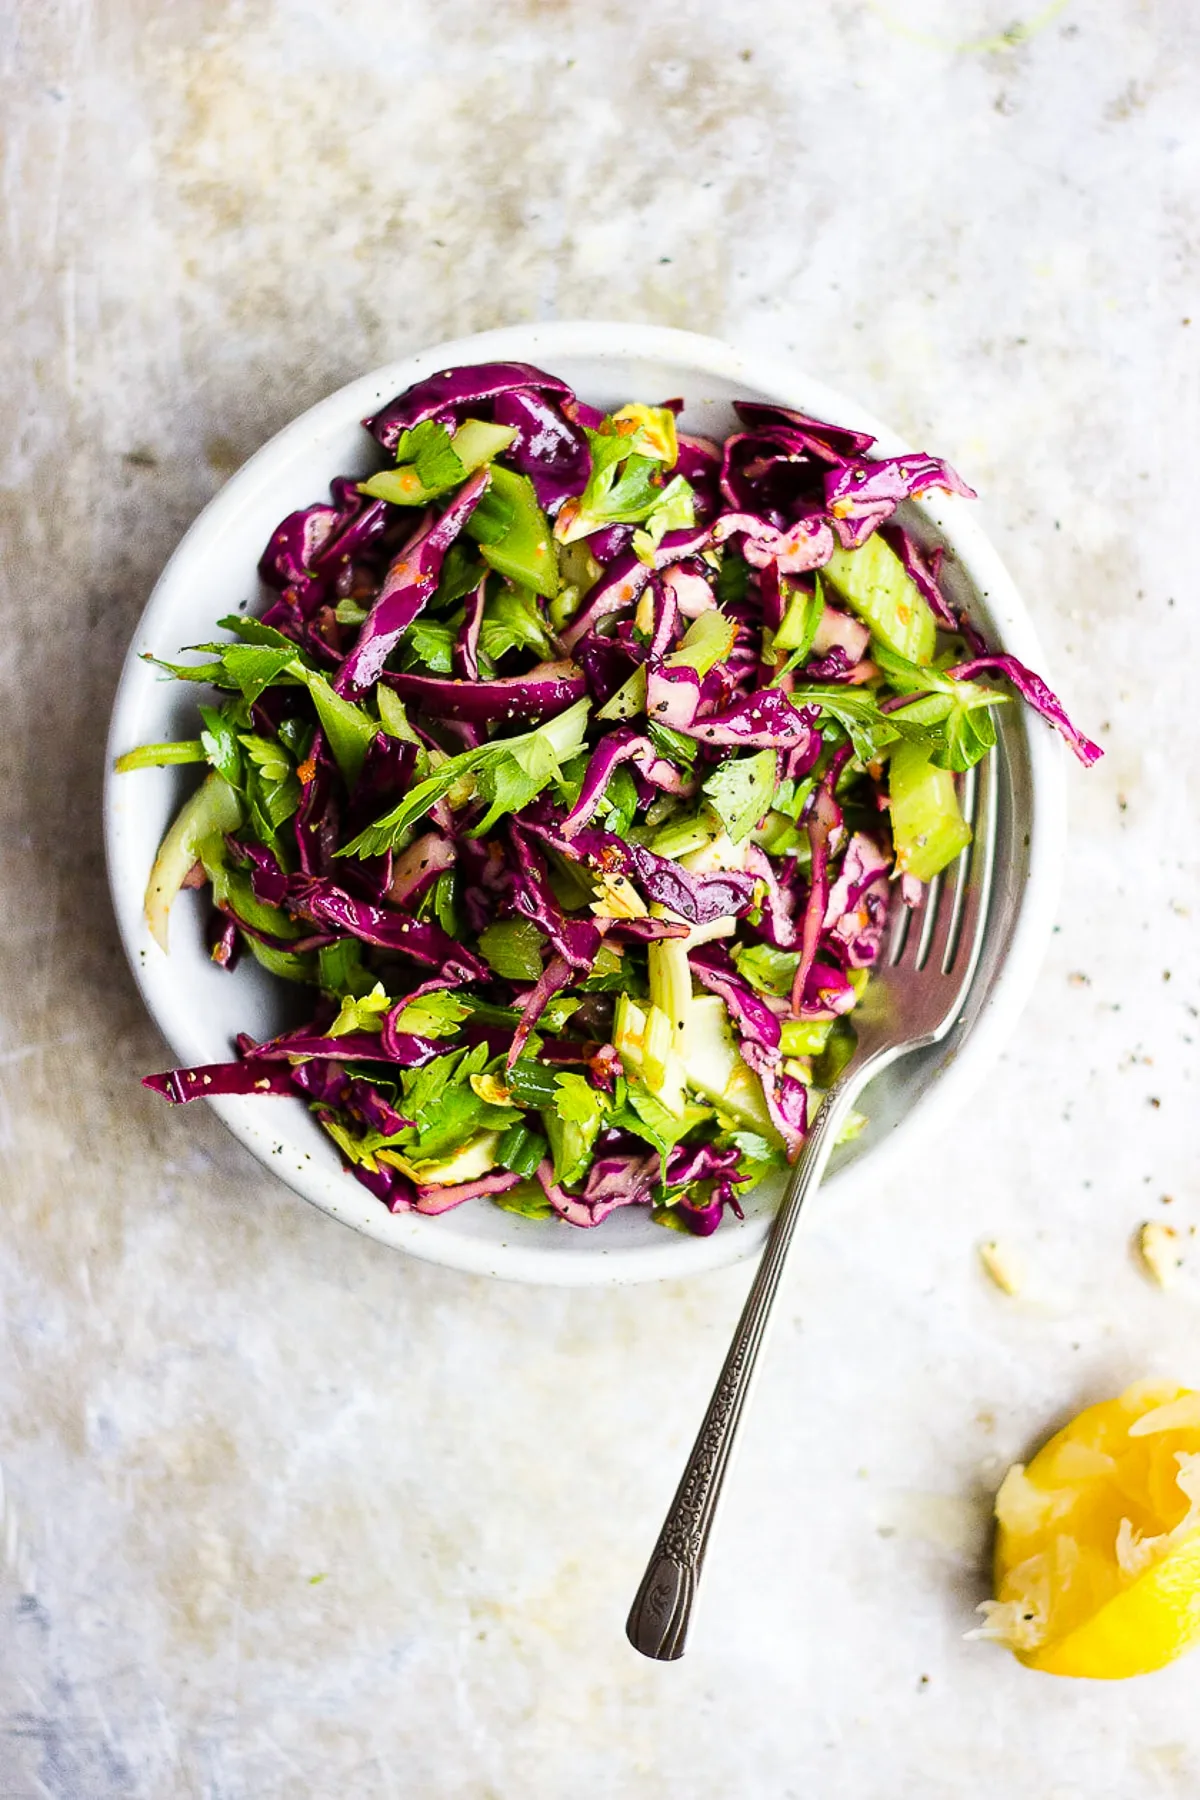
x,y
1000,1266
1158,1247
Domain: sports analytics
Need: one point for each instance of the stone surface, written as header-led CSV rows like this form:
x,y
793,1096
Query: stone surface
x,y
286,1514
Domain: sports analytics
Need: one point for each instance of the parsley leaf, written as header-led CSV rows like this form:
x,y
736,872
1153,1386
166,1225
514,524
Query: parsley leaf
x,y
341,970
428,446
954,717
431,643
220,741
767,970
460,576
513,947
740,790
561,737
254,667
577,1102
434,1015
361,1013
857,711
512,621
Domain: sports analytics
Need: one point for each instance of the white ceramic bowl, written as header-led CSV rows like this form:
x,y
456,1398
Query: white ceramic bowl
x,y
199,1007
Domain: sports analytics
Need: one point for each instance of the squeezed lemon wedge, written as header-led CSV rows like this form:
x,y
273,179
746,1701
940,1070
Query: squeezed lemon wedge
x,y
1098,1541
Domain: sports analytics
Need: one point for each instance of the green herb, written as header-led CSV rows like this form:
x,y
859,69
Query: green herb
x,y
674,510
461,575
619,801
758,1152
558,1012
295,732
349,730
233,892
672,744
361,1013
648,1118
577,1102
271,787
512,621
427,446
740,791
433,1015
444,1106
626,482
768,971
220,740
445,911
733,579
609,972
254,668
857,712
953,717
513,948
563,736
392,715
341,970
430,642
511,781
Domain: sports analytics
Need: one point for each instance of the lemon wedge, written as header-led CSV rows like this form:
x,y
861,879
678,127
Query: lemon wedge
x,y
1098,1541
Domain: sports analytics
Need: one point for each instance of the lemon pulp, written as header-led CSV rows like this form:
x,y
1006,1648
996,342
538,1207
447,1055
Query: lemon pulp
x,y
1098,1540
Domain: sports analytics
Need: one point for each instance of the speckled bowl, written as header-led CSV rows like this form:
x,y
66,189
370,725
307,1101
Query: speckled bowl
x,y
199,1007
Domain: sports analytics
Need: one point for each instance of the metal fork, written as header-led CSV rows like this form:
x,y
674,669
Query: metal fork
x,y
915,996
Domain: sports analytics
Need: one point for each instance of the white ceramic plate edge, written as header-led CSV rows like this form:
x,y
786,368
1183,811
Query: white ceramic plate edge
x,y
678,1255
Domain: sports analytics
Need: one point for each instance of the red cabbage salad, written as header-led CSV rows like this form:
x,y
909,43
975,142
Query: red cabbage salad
x,y
570,771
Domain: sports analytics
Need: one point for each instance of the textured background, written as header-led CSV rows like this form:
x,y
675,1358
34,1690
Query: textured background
x,y
286,1514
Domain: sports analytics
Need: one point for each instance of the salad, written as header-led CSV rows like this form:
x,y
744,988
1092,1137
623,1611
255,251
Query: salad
x,y
570,773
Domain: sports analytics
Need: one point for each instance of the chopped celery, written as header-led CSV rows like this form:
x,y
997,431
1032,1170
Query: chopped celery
x,y
629,699
799,624
804,1037
287,964
526,1200
525,551
520,1149
679,837
571,1142
715,1071
475,443
837,1052
671,986
928,828
158,756
471,1160
629,1033
656,1047
873,582
706,642
211,811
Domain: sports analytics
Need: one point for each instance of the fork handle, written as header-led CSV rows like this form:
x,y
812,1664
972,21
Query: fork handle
x,y
658,1620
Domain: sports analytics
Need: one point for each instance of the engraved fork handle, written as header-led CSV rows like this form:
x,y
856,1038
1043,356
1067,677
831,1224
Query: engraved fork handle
x,y
658,1620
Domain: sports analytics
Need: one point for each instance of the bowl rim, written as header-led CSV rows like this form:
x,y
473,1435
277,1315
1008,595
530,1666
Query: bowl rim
x,y
953,1083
